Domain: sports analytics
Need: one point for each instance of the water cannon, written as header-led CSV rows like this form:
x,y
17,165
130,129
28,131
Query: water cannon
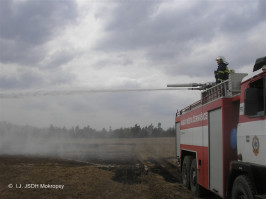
x,y
193,86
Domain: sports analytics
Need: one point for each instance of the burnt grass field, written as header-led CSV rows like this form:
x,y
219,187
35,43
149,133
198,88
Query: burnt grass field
x,y
96,168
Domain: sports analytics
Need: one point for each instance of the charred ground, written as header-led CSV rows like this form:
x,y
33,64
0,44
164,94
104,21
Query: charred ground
x,y
125,168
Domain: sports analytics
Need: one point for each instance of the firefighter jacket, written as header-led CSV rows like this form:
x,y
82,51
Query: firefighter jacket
x,y
221,73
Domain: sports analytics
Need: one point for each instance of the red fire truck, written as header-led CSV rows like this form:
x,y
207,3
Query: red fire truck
x,y
221,139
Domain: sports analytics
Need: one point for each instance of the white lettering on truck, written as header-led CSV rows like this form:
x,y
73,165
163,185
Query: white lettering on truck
x,y
194,119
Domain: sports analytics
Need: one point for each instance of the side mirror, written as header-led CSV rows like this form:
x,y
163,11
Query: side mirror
x,y
251,101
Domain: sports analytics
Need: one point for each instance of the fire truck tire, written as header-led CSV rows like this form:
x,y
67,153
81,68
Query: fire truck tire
x,y
186,171
195,188
243,188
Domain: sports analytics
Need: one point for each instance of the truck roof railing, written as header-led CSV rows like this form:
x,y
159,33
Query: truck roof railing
x,y
228,88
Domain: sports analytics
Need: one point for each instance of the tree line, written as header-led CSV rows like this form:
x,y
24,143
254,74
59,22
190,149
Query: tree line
x,y
135,131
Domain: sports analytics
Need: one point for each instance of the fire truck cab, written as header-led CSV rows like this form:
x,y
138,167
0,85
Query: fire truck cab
x,y
221,139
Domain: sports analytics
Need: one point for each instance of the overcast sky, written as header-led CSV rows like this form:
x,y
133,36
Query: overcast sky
x,y
113,44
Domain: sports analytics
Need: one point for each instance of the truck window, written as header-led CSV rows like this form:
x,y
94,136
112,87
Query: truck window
x,y
255,99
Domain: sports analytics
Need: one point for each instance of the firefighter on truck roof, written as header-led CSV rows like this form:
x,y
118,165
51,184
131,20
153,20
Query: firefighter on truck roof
x,y
222,72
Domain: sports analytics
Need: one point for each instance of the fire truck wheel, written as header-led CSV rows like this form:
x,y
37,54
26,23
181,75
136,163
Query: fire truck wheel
x,y
186,171
243,188
195,188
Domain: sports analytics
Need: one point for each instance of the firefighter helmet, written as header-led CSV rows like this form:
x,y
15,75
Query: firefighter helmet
x,y
222,59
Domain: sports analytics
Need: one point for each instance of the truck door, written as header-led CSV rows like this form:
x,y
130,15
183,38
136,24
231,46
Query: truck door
x,y
215,152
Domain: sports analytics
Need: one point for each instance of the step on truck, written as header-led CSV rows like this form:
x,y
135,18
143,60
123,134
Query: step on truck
x,y
221,139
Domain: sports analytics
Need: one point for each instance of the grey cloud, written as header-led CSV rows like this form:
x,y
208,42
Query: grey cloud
x,y
239,16
27,25
246,53
27,78
125,26
59,77
120,60
163,36
22,80
60,58
167,37
12,51
134,26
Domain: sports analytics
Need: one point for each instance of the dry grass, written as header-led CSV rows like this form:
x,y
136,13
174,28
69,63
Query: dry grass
x,y
82,180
